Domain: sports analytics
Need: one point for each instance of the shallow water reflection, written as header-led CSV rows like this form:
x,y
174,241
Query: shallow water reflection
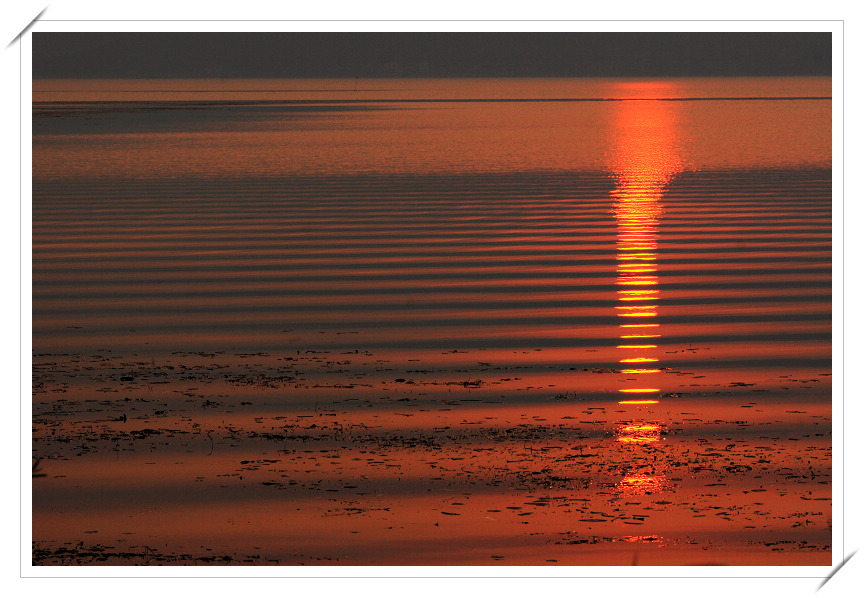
x,y
645,156
398,335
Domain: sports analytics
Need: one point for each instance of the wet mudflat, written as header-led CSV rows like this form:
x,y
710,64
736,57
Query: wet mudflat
x,y
197,460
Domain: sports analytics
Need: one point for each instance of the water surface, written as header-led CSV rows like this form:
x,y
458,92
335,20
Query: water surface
x,y
432,322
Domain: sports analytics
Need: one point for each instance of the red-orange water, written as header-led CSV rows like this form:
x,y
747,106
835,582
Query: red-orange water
x,y
432,322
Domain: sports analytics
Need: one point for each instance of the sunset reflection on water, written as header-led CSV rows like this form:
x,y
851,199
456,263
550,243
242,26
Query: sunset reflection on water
x,y
645,157
640,484
302,330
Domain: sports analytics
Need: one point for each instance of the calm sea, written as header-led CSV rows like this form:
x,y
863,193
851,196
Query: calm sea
x,y
493,252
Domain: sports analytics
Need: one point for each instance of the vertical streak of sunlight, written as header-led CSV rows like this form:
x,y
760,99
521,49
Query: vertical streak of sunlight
x,y
644,157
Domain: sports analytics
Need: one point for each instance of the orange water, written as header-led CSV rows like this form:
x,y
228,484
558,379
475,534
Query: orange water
x,y
466,286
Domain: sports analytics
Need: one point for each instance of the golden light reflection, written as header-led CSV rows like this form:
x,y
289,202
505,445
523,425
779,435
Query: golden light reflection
x,y
640,371
639,433
637,359
638,281
641,484
641,402
640,269
644,158
638,292
637,256
636,347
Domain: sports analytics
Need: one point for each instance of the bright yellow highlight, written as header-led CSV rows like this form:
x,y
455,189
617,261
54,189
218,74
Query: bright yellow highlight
x,y
636,243
642,257
637,268
640,484
638,247
639,433
637,359
638,281
636,347
644,159
641,428
638,292
634,402
641,481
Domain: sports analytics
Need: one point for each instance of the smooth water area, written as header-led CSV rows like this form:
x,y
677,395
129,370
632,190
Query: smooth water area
x,y
432,321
